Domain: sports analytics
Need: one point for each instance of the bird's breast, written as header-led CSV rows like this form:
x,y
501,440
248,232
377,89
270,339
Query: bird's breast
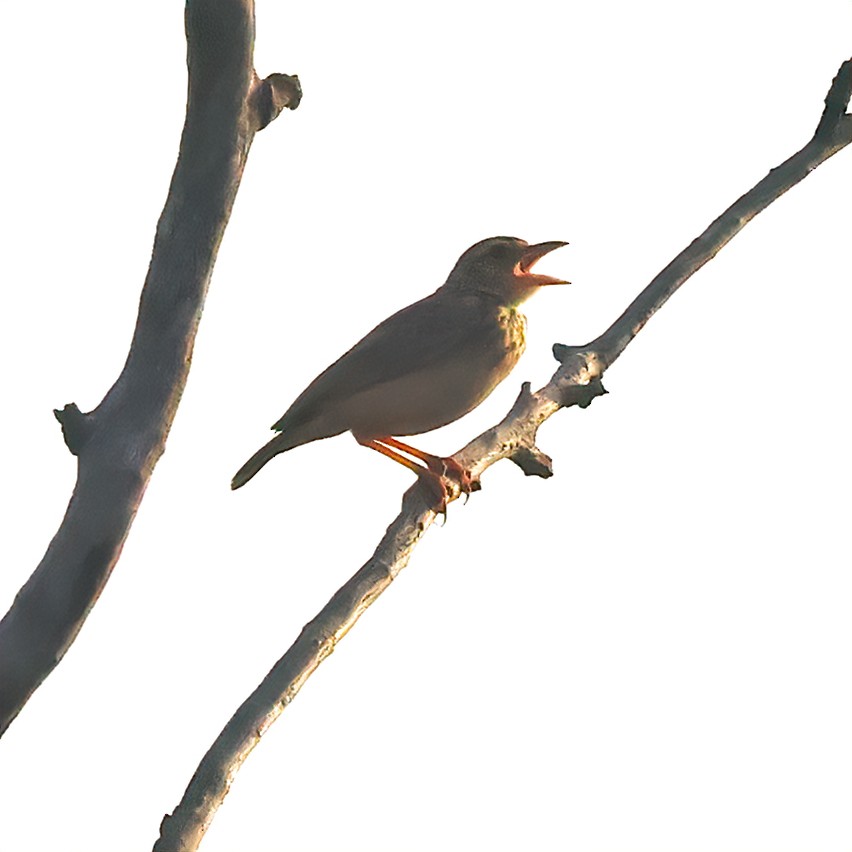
x,y
514,325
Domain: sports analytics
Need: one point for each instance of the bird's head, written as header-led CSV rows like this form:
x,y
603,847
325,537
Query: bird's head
x,y
502,267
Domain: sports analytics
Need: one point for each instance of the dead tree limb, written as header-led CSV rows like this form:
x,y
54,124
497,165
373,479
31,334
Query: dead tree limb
x,y
576,382
118,444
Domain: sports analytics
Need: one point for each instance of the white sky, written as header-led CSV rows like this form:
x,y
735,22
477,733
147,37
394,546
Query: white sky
x,y
652,650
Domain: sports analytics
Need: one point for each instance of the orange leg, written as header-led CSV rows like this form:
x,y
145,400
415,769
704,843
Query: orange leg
x,y
432,476
448,467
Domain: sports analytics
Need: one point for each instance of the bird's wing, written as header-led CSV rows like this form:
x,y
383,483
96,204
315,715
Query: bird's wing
x,y
409,341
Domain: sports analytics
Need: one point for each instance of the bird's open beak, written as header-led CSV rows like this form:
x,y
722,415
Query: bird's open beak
x,y
530,257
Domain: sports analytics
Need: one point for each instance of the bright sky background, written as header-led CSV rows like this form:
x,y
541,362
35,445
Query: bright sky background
x,y
650,652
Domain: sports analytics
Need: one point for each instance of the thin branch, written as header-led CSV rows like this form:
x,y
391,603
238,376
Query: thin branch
x,y
118,444
576,382
832,134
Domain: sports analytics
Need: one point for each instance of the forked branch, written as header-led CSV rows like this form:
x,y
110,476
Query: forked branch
x,y
576,382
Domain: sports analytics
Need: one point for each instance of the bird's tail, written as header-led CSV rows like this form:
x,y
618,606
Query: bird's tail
x,y
279,444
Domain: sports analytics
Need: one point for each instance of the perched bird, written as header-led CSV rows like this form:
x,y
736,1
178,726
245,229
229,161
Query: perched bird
x,y
423,367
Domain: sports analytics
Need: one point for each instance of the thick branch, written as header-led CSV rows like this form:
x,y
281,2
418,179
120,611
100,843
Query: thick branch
x,y
118,444
576,382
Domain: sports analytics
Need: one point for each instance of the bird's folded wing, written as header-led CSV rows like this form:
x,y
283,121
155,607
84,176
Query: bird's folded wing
x,y
429,333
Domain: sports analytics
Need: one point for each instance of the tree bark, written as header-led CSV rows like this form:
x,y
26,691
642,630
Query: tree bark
x,y
576,382
118,443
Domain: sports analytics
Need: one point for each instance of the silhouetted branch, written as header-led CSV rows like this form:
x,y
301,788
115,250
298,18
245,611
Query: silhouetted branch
x,y
118,444
576,382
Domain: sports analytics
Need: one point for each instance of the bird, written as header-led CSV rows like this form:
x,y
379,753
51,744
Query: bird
x,y
423,367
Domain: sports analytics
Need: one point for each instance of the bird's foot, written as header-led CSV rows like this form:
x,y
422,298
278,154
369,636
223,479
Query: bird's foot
x,y
450,469
443,479
435,491
446,479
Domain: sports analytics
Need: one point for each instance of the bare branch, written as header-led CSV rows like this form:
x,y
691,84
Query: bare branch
x,y
833,133
118,444
576,382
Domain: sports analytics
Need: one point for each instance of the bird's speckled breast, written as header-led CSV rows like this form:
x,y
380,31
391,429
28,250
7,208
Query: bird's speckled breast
x,y
515,325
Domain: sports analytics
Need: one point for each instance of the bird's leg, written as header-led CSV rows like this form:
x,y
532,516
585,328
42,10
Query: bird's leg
x,y
431,480
445,467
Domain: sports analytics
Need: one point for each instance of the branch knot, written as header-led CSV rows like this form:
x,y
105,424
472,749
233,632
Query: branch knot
x,y
76,427
272,95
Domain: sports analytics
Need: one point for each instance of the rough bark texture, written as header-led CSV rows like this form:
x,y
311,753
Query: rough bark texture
x,y
576,382
118,444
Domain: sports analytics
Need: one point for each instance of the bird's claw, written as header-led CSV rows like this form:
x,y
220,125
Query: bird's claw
x,y
436,491
440,473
